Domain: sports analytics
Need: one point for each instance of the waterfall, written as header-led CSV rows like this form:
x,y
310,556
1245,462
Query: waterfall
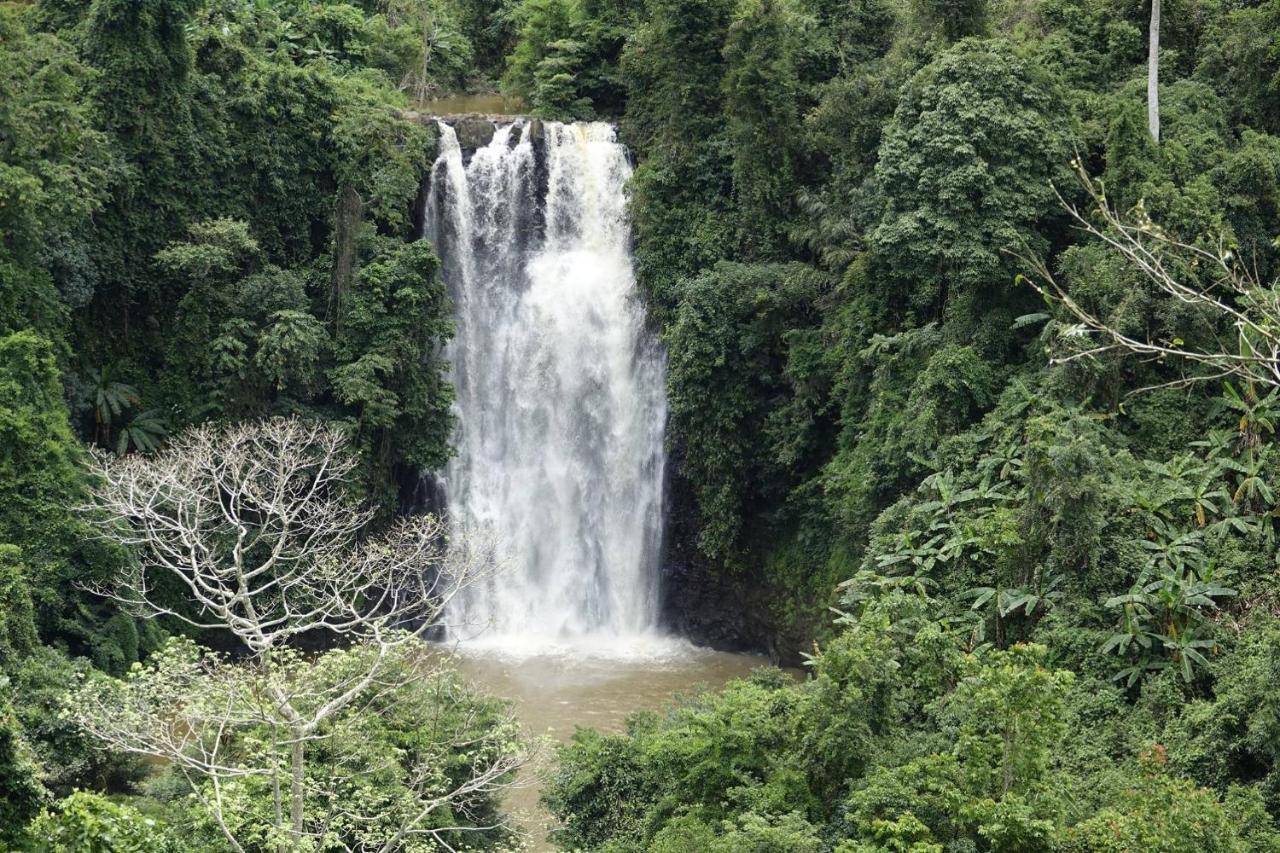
x,y
560,387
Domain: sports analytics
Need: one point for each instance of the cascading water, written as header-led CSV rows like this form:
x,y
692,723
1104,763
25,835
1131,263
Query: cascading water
x,y
560,399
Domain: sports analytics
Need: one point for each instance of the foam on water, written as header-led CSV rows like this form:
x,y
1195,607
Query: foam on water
x,y
650,649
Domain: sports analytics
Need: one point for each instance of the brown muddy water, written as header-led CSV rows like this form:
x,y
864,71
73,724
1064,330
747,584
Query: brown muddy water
x,y
483,104
557,691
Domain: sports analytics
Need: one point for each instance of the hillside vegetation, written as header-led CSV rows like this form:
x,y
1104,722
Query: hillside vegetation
x,y
1032,577
1053,564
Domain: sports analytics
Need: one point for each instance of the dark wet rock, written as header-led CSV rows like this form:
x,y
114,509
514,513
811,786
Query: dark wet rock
x,y
731,611
474,132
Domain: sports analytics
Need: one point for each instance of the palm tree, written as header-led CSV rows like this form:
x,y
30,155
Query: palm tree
x,y
143,432
110,399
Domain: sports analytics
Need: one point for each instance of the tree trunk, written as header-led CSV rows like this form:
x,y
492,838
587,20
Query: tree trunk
x,y
1153,74
296,789
1006,781
276,795
346,224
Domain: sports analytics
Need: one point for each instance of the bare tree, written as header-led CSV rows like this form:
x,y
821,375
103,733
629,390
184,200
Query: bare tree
x,y
1153,72
1217,283
249,529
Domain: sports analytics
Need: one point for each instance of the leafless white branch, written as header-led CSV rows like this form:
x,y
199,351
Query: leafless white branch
x,y
1217,282
250,529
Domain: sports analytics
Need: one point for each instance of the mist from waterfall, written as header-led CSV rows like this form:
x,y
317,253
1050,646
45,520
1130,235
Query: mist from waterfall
x,y
560,388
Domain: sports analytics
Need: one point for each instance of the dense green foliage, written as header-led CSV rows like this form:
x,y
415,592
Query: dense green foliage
x,y
1056,588
564,62
19,784
903,740
206,212
900,157
1056,621
89,823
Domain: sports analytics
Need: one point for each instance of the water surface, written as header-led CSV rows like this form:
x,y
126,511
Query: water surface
x,y
557,692
484,104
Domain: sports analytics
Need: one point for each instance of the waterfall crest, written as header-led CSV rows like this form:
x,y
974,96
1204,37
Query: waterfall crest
x,y
560,387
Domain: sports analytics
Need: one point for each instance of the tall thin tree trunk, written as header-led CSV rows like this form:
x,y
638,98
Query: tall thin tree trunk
x,y
428,29
1153,74
296,789
346,226
276,795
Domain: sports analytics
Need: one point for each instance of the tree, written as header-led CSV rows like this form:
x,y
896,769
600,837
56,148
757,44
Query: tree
x,y
249,530
565,63
547,28
964,168
17,623
1213,281
204,268
726,347
444,53
110,399
143,94
1011,709
21,793
674,67
54,171
762,99
1153,73
390,370
90,822
40,483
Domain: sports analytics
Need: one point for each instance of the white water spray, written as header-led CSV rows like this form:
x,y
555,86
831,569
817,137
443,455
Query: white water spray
x,y
559,385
